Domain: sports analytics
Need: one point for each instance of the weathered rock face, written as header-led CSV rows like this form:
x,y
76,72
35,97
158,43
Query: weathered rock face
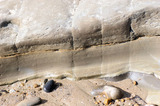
x,y
78,38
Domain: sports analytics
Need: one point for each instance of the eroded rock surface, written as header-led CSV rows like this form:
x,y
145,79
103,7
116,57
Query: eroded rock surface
x,y
78,38
71,36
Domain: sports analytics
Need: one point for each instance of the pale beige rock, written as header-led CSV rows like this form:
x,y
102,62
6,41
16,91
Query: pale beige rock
x,y
92,58
78,38
49,27
115,59
30,101
109,92
80,24
8,70
146,22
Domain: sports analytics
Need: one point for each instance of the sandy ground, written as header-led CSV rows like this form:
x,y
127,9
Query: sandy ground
x,y
72,93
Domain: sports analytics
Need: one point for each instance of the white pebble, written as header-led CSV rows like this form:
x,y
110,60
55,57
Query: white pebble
x,y
12,91
110,92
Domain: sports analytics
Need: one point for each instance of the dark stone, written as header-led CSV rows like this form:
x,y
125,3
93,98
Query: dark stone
x,y
5,24
45,81
49,86
4,91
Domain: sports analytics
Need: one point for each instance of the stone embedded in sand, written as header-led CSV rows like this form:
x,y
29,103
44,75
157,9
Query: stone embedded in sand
x,y
35,85
49,86
12,91
135,82
3,92
45,81
109,91
30,101
25,81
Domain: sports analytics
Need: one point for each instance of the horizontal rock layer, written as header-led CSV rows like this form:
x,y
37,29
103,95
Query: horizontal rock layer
x,y
141,55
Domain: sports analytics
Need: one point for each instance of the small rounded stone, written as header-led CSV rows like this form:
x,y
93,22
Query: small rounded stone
x,y
96,103
12,91
25,81
30,101
117,101
45,81
49,86
22,84
135,83
36,85
39,89
127,98
3,91
122,100
107,101
110,92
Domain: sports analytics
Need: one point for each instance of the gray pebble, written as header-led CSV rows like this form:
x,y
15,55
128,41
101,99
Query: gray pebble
x,y
30,101
49,86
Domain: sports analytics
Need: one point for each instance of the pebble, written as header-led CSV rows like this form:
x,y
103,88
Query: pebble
x,y
122,100
39,89
135,82
109,91
45,80
36,86
12,91
30,101
107,101
22,84
127,98
49,86
96,103
117,101
3,92
25,81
